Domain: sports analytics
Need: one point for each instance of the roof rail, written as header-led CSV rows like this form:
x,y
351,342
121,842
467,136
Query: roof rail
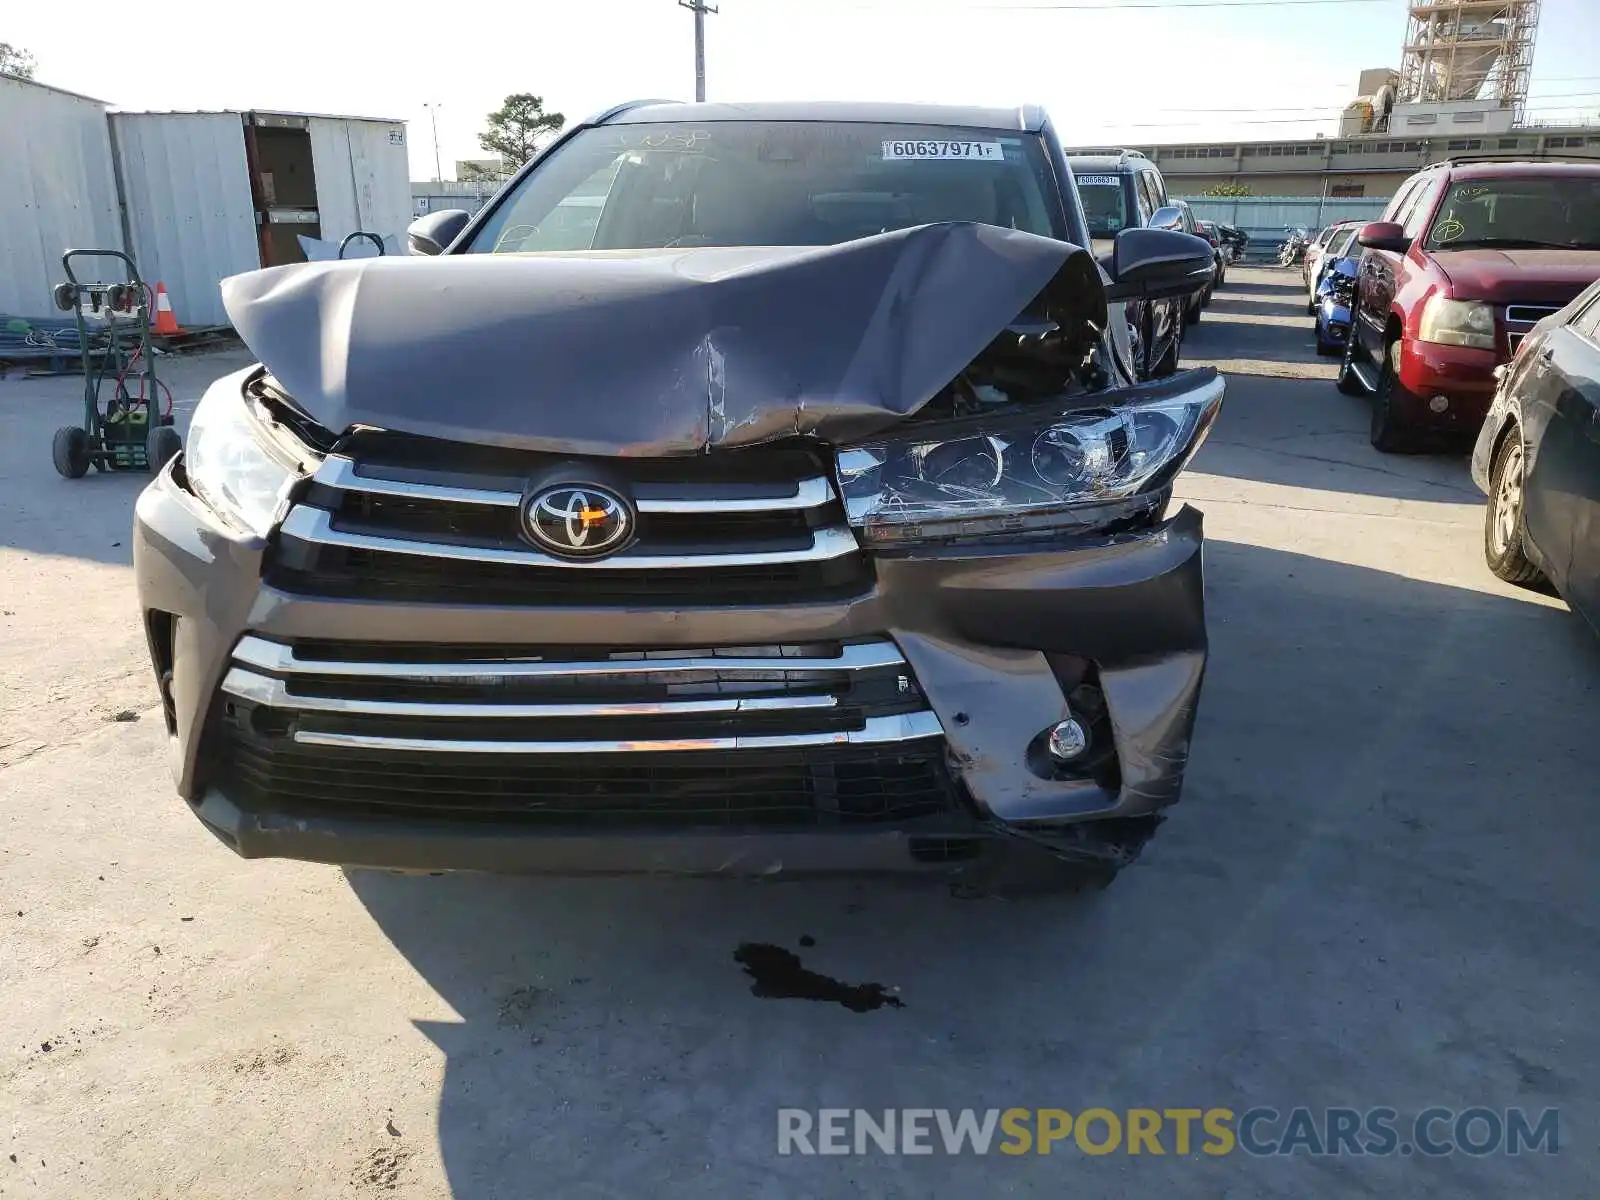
x,y
1533,158
1118,151
616,110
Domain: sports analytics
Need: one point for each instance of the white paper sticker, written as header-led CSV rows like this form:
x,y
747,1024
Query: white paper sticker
x,y
971,151
1098,181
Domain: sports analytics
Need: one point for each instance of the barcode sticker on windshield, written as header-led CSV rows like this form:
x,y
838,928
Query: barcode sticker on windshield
x,y
971,151
1098,181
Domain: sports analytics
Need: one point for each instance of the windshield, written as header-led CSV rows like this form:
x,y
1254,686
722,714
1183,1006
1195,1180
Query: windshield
x,y
1104,204
1343,242
770,183
1553,212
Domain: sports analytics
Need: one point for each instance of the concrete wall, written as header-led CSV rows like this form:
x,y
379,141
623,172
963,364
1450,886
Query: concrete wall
x,y
1375,163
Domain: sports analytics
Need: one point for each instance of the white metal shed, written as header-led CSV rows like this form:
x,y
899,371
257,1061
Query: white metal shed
x,y
207,195
56,189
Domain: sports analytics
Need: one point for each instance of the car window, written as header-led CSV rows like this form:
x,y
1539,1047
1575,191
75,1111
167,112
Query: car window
x,y
1559,212
750,183
1401,199
1421,206
1105,202
1343,242
1157,187
1149,196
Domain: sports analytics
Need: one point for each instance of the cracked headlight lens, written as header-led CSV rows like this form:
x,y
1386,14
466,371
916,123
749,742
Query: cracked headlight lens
x,y
229,464
1023,472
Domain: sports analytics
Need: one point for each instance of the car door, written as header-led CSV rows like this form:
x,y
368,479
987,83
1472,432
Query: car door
x,y
1166,315
1561,495
1376,283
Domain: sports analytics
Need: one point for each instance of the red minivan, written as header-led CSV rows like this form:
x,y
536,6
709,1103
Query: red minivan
x,y
1468,256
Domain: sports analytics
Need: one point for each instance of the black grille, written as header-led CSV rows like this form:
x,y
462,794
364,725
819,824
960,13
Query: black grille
x,y
377,575
685,790
661,532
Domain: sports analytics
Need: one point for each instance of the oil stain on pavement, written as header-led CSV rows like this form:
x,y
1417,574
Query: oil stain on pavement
x,y
778,974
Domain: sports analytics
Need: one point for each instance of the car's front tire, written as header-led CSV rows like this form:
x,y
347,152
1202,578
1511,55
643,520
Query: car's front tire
x,y
1504,527
1387,433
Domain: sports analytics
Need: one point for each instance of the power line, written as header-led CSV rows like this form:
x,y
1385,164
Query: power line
x,y
1109,6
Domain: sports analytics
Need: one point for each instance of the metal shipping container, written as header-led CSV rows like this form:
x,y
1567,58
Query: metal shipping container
x,y
208,195
56,190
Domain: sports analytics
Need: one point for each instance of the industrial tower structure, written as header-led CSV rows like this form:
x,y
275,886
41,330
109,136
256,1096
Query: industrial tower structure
x,y
1469,50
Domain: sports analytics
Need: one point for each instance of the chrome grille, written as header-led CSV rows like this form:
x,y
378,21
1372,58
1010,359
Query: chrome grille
x,y
1529,314
1520,320
730,734
385,520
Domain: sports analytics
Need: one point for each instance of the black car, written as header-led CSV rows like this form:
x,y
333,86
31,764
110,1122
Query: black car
x,y
806,517
1538,459
1121,189
1178,217
1209,231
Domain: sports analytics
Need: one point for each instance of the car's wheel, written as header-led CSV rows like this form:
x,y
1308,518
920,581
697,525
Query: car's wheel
x,y
69,450
1327,349
1504,529
160,447
1388,435
1169,361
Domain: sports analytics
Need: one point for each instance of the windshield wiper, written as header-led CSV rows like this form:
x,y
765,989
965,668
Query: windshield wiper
x,y
1505,243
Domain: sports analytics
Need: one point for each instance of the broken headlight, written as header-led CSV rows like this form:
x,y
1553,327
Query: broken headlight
x,y
229,463
995,477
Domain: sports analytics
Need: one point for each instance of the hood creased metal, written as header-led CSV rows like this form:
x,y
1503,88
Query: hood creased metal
x,y
649,353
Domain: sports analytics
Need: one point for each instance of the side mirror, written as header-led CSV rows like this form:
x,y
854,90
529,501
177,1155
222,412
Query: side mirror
x,y
1170,217
1384,235
432,233
1154,264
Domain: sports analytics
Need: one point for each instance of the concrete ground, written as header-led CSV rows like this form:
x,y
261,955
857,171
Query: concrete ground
x,y
1378,891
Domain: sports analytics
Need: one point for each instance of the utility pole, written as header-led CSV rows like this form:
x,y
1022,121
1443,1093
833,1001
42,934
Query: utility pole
x,y
433,115
699,8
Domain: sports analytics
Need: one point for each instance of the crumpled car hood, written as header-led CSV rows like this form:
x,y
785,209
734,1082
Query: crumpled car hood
x,y
653,352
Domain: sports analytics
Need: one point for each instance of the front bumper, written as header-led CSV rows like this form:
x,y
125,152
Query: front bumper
x,y
1333,322
1463,375
991,638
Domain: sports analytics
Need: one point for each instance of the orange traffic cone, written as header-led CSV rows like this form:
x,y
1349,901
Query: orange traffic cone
x,y
166,319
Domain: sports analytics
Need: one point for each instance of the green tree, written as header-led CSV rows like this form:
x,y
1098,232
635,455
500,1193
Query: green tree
x,y
14,60
517,128
1227,190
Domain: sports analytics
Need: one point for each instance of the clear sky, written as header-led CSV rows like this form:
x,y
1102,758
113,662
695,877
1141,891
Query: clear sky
x,y
1123,73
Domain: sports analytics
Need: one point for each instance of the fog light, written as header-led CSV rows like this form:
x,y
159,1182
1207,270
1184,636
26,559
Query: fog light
x,y
1439,403
1067,741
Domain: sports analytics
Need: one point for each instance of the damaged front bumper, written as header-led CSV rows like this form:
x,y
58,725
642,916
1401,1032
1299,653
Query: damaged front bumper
x,y
895,722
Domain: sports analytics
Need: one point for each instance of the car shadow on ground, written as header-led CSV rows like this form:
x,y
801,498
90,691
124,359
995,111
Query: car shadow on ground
x,y
1223,304
1293,936
1304,433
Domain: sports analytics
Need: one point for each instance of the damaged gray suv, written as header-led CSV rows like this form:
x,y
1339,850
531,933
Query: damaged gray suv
x,y
747,489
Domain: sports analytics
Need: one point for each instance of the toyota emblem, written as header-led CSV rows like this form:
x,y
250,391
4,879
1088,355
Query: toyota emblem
x,y
578,520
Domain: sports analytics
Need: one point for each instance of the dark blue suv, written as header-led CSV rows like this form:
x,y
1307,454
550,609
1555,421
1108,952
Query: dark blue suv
x,y
1121,189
